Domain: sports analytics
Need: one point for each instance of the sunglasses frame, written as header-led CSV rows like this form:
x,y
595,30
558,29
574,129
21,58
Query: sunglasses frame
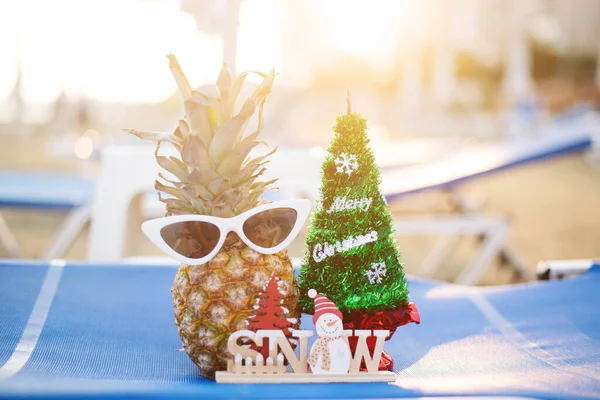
x,y
152,229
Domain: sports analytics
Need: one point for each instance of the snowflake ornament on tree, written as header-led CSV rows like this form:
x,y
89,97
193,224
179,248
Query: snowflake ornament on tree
x,y
346,163
377,271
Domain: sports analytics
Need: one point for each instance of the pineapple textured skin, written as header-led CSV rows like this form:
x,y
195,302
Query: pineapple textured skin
x,y
215,299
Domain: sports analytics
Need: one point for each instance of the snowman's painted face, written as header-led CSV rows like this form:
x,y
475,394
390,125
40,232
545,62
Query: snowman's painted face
x,y
329,325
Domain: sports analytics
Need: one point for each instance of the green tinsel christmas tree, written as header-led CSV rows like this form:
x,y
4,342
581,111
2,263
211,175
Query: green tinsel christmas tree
x,y
351,255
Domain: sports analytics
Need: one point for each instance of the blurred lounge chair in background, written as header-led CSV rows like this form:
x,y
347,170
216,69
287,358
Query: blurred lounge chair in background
x,y
571,134
548,270
46,192
125,193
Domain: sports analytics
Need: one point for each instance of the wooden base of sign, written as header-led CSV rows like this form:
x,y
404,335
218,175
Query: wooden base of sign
x,y
289,377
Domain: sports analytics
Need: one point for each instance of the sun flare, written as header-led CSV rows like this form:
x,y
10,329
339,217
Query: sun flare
x,y
357,26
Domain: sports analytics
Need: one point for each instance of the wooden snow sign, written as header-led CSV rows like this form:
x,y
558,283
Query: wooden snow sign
x,y
249,366
330,359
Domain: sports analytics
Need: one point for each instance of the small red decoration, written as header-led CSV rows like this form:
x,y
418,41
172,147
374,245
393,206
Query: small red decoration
x,y
388,319
270,314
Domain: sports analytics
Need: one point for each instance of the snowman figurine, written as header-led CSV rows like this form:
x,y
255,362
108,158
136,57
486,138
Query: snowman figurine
x,y
330,354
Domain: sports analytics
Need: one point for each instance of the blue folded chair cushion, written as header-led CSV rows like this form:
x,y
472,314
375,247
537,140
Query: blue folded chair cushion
x,y
44,190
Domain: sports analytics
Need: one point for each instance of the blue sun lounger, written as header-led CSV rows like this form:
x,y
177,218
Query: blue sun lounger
x,y
45,191
566,136
101,331
448,173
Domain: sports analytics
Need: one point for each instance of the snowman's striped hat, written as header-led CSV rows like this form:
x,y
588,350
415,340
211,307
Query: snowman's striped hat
x,y
323,305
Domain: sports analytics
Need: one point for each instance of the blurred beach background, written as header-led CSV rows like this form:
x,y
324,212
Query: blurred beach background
x,y
431,77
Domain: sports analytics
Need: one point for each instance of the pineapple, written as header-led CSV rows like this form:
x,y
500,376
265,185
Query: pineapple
x,y
215,176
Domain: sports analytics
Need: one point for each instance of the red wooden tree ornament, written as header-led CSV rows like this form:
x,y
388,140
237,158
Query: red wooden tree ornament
x,y
270,314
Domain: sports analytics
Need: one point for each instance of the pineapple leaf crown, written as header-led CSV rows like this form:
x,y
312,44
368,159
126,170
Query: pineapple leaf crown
x,y
213,173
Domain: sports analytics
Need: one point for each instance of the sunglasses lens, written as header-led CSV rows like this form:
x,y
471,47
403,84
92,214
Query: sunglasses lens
x,y
191,239
269,228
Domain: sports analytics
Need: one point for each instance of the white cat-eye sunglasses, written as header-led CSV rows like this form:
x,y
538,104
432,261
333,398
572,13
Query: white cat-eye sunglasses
x,y
195,239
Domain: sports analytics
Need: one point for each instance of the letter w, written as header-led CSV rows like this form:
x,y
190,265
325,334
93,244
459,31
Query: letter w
x,y
362,350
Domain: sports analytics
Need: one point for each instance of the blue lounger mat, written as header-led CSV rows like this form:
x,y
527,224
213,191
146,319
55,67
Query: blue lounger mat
x,y
106,331
44,190
471,163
